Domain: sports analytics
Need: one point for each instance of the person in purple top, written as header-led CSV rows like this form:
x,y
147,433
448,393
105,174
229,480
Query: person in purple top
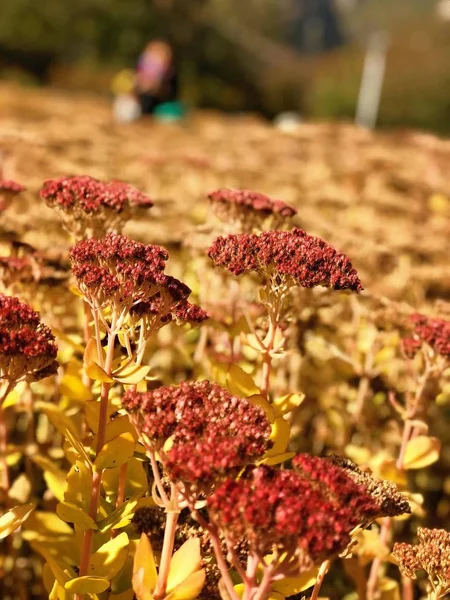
x,y
156,79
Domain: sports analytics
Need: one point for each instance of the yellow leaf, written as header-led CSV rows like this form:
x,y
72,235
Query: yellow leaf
x,y
119,425
91,353
116,452
57,417
109,558
72,387
92,412
54,477
277,459
294,585
281,431
132,374
46,524
185,561
144,570
79,485
68,340
258,400
20,489
87,585
95,371
71,513
421,452
388,589
190,588
241,383
11,399
286,404
62,572
136,479
13,519
78,446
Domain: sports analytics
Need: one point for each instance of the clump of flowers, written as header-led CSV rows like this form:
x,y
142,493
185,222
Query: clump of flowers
x,y
287,258
8,191
27,346
91,208
245,210
302,516
212,433
427,330
432,555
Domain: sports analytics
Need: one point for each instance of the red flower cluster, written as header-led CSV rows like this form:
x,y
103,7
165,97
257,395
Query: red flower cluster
x,y
90,206
293,255
435,332
213,433
118,272
27,346
248,210
312,510
8,190
15,270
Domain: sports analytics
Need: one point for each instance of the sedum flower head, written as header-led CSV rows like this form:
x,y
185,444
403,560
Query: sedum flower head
x,y
8,190
27,346
90,207
431,554
117,273
432,331
213,433
245,210
294,256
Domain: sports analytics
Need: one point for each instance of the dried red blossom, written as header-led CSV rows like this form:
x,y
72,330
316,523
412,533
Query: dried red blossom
x,y
27,346
431,554
292,256
117,270
247,210
212,432
120,274
313,509
90,207
8,190
432,331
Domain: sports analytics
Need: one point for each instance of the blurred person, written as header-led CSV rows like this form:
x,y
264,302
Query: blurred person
x,y
156,78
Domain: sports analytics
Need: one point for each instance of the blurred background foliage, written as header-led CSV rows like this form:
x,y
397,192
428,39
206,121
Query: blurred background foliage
x,y
259,55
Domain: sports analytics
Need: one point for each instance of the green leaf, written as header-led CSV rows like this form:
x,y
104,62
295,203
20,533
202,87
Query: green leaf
x,y
116,452
71,513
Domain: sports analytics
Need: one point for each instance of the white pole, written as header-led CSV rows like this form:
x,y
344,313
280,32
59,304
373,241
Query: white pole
x,y
372,81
